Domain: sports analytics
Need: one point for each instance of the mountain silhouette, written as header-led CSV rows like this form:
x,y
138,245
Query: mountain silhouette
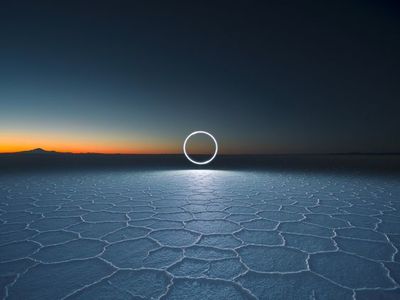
x,y
38,151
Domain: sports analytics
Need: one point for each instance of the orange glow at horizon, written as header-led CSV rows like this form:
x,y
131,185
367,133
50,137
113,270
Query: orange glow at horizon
x,y
75,141
23,142
82,149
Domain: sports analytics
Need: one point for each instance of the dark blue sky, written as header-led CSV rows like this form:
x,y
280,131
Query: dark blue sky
x,y
262,76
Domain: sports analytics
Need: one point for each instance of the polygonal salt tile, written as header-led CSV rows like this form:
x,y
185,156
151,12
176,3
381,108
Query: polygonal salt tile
x,y
325,221
189,267
16,266
259,237
96,230
178,216
282,201
328,210
212,226
389,227
113,199
143,222
217,206
241,210
50,202
305,229
15,236
308,243
387,207
195,208
76,249
175,237
4,281
142,208
6,228
54,223
55,281
294,209
162,257
163,224
68,207
170,200
383,207
361,210
19,217
101,291
96,206
241,217
389,218
18,207
130,253
361,233
273,259
303,285
260,224
378,294
140,215
54,237
225,269
200,289
168,209
280,216
43,209
140,284
394,269
103,216
265,206
334,203
359,221
17,250
65,213
120,209
224,241
20,199
350,270
395,239
369,249
201,252
126,233
210,215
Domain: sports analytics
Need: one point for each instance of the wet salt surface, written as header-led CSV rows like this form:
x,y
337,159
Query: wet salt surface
x,y
199,234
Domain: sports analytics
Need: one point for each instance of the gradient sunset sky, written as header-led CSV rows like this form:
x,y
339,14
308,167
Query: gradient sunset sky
x,y
139,76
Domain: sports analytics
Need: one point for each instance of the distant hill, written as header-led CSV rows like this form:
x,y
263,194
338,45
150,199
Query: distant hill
x,y
37,151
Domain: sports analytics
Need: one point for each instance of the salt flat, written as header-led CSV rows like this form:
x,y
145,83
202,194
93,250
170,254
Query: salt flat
x,y
199,234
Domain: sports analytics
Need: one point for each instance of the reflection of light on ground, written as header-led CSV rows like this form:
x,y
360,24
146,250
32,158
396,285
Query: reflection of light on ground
x,y
203,174
202,180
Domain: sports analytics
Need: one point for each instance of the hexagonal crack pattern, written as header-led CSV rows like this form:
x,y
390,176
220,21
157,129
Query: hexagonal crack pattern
x,y
199,234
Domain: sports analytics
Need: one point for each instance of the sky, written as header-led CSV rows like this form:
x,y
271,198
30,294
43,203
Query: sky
x,y
263,77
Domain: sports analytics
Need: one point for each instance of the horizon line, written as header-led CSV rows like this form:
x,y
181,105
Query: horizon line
x,y
43,151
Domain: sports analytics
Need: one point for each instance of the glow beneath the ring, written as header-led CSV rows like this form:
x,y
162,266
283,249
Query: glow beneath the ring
x,y
200,162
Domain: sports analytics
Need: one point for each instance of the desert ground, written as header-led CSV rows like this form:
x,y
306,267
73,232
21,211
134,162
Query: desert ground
x,y
199,234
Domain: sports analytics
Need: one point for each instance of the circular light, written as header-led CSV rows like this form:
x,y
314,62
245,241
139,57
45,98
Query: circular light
x,y
200,162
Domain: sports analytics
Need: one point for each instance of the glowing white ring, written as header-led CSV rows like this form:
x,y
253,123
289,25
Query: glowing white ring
x,y
200,162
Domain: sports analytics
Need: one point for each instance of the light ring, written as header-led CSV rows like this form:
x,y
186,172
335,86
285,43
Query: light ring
x,y
200,162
